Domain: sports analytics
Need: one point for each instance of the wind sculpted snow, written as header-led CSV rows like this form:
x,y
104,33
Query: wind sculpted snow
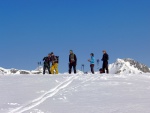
x,y
80,93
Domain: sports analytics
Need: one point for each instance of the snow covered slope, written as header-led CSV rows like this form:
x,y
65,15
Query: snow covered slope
x,y
128,66
75,93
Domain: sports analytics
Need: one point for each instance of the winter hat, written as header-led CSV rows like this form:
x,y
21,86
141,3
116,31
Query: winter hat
x,y
104,51
92,54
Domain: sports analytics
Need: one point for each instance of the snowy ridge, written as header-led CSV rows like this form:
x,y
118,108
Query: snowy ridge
x,y
16,71
128,66
121,66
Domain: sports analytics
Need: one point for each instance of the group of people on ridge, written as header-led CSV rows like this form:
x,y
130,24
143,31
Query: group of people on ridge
x,y
51,58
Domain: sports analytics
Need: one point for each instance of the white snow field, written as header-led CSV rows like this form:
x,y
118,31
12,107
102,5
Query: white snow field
x,y
79,93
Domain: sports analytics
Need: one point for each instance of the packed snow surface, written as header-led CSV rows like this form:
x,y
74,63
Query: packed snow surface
x,y
76,93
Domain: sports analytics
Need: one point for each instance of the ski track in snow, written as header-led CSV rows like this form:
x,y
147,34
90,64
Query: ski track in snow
x,y
53,92
45,96
69,84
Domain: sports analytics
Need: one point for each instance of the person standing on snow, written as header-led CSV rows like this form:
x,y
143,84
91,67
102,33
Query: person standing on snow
x,y
72,62
105,59
54,66
92,61
47,63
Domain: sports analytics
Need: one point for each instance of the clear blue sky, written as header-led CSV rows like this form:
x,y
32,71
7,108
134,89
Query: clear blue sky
x,y
30,29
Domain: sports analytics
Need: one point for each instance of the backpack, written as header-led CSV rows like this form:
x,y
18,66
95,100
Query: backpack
x,y
101,70
57,57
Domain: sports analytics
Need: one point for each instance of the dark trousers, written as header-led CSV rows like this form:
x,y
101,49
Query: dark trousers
x,y
70,67
46,67
105,66
92,68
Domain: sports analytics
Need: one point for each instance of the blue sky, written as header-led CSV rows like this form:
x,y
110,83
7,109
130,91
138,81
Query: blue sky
x,y
30,29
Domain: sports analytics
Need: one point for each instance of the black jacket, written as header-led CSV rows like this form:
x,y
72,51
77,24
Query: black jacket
x,y
105,57
75,59
47,61
54,59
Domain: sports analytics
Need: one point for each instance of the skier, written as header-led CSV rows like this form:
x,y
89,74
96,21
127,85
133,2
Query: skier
x,y
105,59
92,61
72,62
54,66
47,63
